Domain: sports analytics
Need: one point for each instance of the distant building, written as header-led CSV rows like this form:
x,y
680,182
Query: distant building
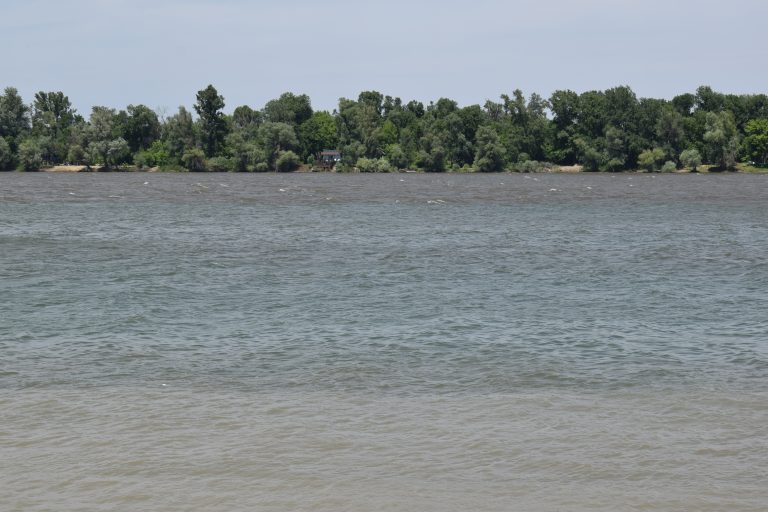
x,y
329,158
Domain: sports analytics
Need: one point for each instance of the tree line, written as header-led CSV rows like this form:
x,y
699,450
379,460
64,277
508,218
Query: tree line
x,y
611,130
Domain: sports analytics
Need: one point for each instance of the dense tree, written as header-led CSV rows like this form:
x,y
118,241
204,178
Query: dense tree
x,y
105,145
490,153
288,108
722,139
610,130
14,116
179,133
691,159
30,155
277,137
318,133
52,113
141,128
756,141
213,126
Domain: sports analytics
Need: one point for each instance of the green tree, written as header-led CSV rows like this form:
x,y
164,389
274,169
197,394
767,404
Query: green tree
x,y
277,137
30,155
179,133
691,159
194,160
245,118
318,133
490,152
14,116
722,139
52,113
756,140
142,127
289,108
105,145
287,161
651,159
6,157
213,126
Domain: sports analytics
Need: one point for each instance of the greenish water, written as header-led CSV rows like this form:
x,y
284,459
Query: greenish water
x,y
388,342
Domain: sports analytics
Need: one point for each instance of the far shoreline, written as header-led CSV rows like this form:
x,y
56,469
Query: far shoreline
x,y
574,169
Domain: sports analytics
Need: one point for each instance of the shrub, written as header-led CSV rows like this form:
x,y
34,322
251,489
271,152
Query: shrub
x,y
287,161
220,164
76,155
194,160
690,158
669,166
374,165
650,159
30,156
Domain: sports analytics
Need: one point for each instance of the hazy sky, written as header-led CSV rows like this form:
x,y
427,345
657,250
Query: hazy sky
x,y
160,52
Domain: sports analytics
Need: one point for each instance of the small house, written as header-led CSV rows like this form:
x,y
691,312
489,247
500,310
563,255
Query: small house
x,y
329,158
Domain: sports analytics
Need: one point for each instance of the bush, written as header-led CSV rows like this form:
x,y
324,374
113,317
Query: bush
x,y
650,159
690,158
76,155
533,166
669,166
194,160
374,165
287,161
30,156
220,164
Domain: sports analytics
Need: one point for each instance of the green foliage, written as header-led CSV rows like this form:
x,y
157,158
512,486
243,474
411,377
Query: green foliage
x,y
179,134
30,155
490,153
76,155
276,138
289,108
651,159
142,127
14,116
608,130
156,156
397,157
194,160
722,139
52,114
374,165
6,157
756,141
669,166
213,127
287,161
220,164
691,159
318,133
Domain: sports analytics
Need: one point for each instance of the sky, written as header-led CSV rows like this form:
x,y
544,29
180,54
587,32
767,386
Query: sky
x,y
161,52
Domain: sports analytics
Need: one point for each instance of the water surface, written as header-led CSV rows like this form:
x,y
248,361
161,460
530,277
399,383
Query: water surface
x,y
384,342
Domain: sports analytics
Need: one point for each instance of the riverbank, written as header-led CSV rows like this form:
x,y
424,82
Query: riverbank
x,y
572,169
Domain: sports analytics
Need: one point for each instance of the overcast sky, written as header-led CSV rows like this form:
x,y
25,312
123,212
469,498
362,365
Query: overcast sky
x,y
160,52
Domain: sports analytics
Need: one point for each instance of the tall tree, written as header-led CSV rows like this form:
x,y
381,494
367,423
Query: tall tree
x,y
141,128
52,113
289,108
14,116
179,133
213,126
722,139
